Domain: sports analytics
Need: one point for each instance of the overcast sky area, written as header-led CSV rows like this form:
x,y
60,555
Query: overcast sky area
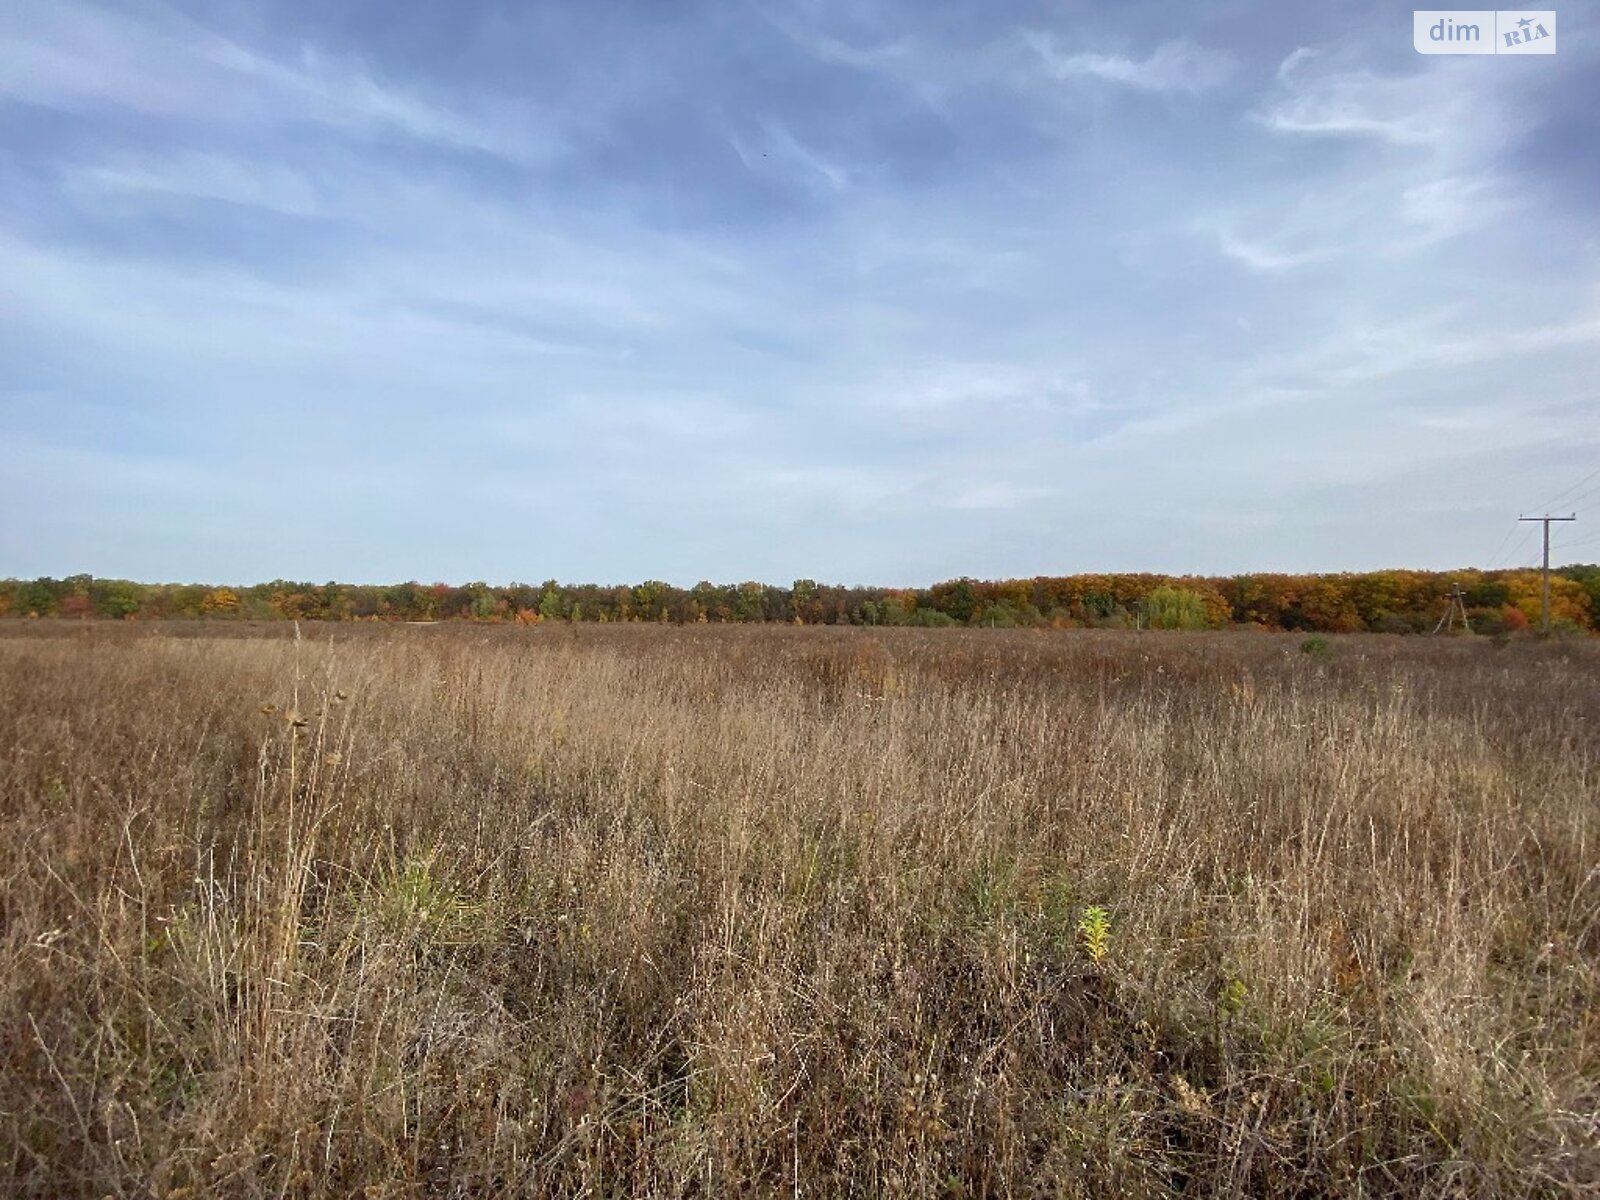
x,y
870,291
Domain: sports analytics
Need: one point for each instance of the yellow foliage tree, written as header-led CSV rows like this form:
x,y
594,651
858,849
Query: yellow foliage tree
x,y
1569,603
220,602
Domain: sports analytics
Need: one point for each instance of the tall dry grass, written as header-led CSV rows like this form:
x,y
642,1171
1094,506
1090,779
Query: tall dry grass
x,y
754,911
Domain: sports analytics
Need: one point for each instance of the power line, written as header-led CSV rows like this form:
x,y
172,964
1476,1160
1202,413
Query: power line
x,y
1561,497
1587,541
1515,553
1495,555
1580,497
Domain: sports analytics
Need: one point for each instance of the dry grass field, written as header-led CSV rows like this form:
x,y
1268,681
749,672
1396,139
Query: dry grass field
x,y
635,911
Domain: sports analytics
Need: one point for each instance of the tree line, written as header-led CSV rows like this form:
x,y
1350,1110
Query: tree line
x,y
1376,601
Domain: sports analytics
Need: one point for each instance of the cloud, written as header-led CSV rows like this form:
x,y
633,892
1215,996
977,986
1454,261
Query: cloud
x,y
1291,62
1386,215
198,176
993,497
882,56
777,149
72,57
1452,205
918,69
1444,340
978,388
1177,66
1262,256
1429,106
1419,164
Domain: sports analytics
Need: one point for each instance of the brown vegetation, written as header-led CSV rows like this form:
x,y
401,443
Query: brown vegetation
x,y
740,911
1373,602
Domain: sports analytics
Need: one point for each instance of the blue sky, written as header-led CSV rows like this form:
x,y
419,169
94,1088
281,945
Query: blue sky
x,y
867,291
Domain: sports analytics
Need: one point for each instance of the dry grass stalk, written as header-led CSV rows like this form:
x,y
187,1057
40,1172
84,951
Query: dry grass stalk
x,y
735,911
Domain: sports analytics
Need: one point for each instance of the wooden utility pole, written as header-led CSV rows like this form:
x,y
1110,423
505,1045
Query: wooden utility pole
x,y
1458,603
1544,595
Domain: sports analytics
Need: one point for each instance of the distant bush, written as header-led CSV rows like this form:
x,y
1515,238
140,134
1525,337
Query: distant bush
x,y
1315,646
1389,622
1006,616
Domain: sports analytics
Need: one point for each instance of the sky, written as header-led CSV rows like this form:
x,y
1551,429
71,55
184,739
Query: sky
x,y
867,291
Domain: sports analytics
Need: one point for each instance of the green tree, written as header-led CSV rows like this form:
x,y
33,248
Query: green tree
x,y
803,598
750,602
483,604
1175,608
1586,576
39,598
550,602
960,600
649,600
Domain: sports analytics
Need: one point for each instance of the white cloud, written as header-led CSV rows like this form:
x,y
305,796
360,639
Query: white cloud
x,y
68,56
197,176
883,56
1363,352
1432,106
990,497
1177,66
1291,62
1452,205
778,149
923,71
1263,256
1422,166
974,389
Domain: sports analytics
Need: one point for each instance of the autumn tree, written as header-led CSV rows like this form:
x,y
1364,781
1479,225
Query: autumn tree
x,y
38,598
1175,608
1385,601
803,601
550,607
650,600
750,602
220,602
958,600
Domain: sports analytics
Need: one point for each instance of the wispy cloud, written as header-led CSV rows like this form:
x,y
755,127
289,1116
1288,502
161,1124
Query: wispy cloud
x,y
1430,173
979,390
776,149
1262,256
1431,105
197,176
994,497
1438,209
1293,61
922,70
73,57
1177,66
879,54
1445,339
